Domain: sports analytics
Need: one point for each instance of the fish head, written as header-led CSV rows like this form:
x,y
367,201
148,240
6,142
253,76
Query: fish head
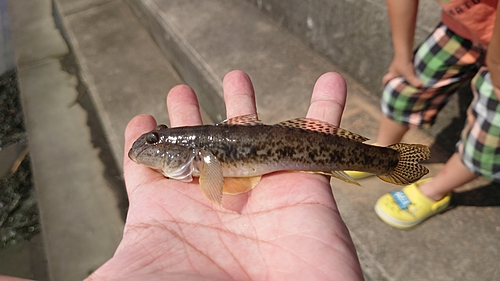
x,y
160,151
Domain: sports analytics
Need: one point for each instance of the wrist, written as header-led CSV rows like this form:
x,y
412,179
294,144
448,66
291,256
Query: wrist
x,y
403,56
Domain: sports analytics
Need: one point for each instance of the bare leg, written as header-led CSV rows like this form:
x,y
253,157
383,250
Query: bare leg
x,y
390,132
453,175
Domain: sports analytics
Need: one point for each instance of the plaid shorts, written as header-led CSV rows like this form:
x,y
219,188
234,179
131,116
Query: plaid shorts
x,y
480,143
443,62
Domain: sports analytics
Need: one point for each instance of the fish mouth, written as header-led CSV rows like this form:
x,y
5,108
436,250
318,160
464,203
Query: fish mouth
x,y
132,156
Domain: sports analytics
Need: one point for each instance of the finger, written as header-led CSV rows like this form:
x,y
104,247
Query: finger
x,y
388,77
238,94
328,98
139,125
413,80
183,108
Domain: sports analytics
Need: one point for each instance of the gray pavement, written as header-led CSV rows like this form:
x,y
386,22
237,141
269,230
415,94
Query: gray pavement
x,y
7,61
352,34
81,224
125,72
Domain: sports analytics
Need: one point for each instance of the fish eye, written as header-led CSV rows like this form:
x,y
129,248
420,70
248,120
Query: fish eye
x,y
152,138
161,127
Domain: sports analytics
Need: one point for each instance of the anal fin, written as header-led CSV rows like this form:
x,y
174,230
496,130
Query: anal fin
x,y
239,185
341,175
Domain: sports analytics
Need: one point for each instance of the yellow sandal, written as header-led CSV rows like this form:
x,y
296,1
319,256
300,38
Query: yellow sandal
x,y
409,207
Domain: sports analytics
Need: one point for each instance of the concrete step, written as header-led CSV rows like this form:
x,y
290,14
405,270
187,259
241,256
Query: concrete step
x,y
206,39
77,102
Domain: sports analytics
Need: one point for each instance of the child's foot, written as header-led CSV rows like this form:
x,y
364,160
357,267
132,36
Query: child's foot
x,y
408,207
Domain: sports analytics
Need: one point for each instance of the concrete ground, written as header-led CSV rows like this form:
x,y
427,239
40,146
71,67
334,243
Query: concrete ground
x,y
7,60
120,72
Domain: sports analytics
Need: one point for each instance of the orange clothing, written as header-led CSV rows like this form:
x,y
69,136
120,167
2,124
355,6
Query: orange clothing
x,y
471,19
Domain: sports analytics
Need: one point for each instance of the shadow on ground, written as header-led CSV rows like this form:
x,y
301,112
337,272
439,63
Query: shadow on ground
x,y
484,196
112,172
446,140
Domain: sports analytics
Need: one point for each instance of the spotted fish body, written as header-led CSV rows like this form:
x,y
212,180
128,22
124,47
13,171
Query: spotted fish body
x,y
231,156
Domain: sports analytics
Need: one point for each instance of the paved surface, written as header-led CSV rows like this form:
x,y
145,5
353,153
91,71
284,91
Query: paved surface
x,y
81,224
7,61
353,34
125,73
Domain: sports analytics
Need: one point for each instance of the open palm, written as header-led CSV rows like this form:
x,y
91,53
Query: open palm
x,y
287,228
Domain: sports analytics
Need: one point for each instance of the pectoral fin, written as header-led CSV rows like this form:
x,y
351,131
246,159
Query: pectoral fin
x,y
211,179
239,185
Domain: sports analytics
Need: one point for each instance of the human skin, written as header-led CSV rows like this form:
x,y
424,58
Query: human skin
x,y
493,56
403,19
287,228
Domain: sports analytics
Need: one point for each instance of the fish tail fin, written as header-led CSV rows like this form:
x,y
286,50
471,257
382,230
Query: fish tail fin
x,y
408,170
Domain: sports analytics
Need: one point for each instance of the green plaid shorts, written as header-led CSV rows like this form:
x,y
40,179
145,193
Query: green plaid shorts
x,y
443,62
480,143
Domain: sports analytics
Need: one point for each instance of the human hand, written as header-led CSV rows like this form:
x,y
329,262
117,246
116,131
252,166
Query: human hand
x,y
402,68
289,227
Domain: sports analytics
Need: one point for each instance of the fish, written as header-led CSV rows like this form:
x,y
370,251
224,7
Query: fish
x,y
230,157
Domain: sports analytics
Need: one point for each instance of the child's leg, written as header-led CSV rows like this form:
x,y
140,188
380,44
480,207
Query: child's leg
x,y
397,131
479,150
442,63
480,145
454,174
478,153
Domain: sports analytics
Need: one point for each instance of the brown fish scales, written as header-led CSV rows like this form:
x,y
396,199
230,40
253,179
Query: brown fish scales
x,y
231,156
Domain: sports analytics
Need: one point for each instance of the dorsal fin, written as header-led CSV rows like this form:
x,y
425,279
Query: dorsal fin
x,y
249,119
323,127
